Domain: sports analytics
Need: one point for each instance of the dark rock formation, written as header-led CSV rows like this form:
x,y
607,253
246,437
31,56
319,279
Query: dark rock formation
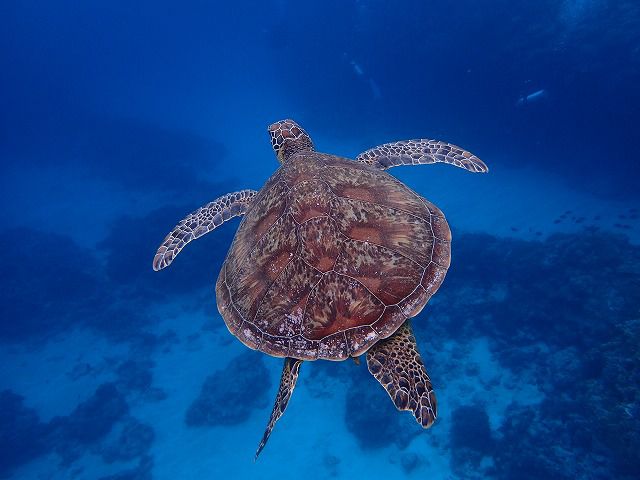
x,y
228,396
133,440
21,433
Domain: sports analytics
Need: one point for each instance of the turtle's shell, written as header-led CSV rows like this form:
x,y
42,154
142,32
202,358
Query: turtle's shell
x,y
333,256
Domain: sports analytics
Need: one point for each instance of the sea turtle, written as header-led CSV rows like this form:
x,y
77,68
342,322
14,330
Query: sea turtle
x,y
331,260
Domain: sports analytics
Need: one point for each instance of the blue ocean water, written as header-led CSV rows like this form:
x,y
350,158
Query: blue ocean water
x,y
119,118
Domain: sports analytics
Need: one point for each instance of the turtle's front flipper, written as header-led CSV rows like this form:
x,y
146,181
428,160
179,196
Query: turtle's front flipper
x,y
420,152
201,221
287,384
396,364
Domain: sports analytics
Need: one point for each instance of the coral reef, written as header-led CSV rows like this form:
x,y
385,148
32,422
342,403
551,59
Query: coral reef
x,y
100,425
142,471
562,315
88,423
470,438
135,375
21,433
134,439
371,416
44,268
228,396
409,461
470,429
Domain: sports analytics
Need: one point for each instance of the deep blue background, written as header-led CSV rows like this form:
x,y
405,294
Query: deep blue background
x,y
73,73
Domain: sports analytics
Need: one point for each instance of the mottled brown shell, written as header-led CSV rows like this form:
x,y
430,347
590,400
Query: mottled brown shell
x,y
331,257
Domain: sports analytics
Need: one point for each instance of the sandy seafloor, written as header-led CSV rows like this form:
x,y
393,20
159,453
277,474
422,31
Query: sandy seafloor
x,y
312,440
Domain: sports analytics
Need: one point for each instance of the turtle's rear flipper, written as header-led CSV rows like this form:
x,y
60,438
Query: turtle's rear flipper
x,y
287,384
396,364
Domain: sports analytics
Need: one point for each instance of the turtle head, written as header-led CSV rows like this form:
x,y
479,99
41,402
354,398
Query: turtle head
x,y
287,138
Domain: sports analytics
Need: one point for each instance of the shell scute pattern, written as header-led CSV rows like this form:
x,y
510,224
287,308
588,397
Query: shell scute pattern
x,y
262,265
231,316
357,185
406,234
433,277
389,321
338,303
334,256
413,304
269,206
321,243
310,199
281,310
301,169
387,274
267,210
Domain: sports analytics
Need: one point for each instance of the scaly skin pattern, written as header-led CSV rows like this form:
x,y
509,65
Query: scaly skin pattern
x,y
287,138
420,152
288,380
331,256
397,365
202,221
